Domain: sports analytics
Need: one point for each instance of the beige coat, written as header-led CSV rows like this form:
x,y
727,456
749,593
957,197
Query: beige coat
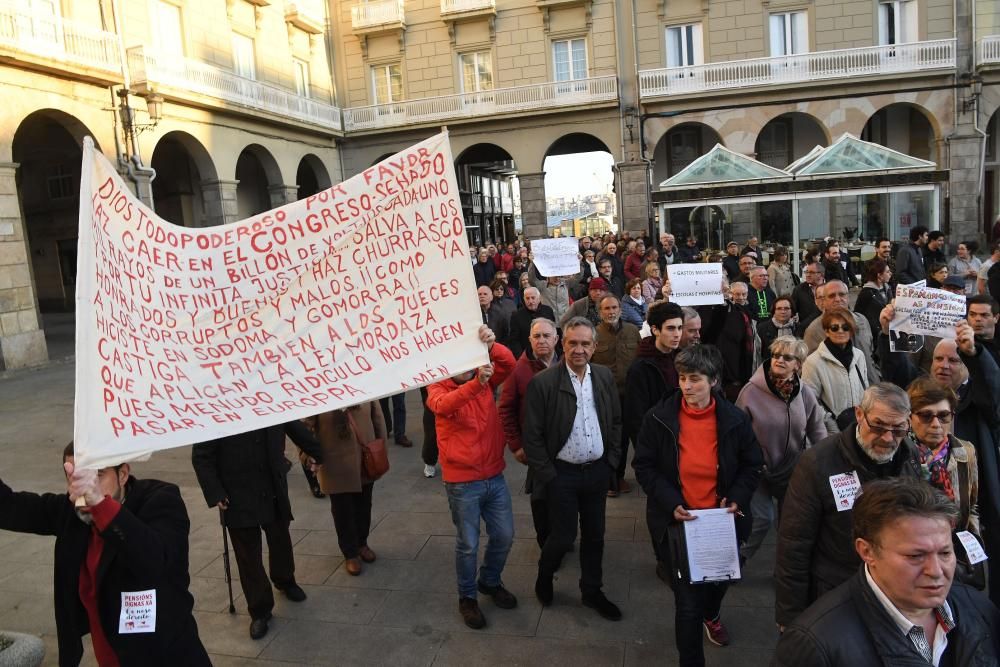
x,y
836,387
780,278
341,469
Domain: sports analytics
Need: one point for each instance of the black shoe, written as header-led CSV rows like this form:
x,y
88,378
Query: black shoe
x,y
501,596
543,589
258,628
471,613
317,492
294,592
605,607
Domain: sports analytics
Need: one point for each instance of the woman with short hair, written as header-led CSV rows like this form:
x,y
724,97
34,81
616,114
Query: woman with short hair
x,y
836,371
786,418
781,323
779,273
874,296
633,305
695,451
652,284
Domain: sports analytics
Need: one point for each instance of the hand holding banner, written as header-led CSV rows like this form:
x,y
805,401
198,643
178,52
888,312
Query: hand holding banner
x,y
186,335
695,284
556,257
928,311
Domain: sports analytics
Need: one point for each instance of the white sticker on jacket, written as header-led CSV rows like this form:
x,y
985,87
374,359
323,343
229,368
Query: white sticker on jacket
x,y
973,548
846,487
138,612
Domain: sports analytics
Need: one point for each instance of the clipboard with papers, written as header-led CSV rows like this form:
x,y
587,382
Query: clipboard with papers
x,y
713,553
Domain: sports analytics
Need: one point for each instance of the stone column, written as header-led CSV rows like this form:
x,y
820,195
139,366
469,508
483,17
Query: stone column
x,y
22,342
220,201
142,185
963,187
533,208
633,198
282,194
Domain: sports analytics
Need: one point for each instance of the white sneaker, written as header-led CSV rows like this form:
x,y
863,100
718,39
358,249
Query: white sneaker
x,y
429,471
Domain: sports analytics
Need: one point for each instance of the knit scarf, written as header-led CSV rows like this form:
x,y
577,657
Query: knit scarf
x,y
842,353
784,387
934,466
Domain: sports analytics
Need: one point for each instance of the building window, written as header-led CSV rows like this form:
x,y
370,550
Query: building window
x,y
301,68
477,71
897,22
244,61
569,57
168,39
789,34
684,47
684,147
387,83
59,182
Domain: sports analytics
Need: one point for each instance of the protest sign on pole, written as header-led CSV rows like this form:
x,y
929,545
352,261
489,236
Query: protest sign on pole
x,y
556,257
695,284
184,335
927,311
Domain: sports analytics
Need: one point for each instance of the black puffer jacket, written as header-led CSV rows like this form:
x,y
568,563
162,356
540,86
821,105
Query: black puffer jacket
x,y
657,457
815,540
849,626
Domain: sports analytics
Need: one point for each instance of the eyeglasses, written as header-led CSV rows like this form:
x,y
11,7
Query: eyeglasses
x,y
786,357
879,430
836,328
927,417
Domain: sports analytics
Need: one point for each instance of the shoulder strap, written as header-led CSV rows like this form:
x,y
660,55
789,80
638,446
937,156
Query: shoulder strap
x,y
963,490
354,427
864,385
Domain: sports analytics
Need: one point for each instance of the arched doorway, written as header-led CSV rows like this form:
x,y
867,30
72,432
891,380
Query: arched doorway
x,y
487,185
579,186
258,175
47,147
679,147
991,180
908,129
311,176
182,165
780,142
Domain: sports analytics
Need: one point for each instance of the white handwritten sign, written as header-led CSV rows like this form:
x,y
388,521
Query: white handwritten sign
x,y
556,257
186,335
928,311
695,284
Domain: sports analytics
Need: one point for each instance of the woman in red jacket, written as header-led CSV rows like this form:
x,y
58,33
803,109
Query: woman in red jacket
x,y
471,452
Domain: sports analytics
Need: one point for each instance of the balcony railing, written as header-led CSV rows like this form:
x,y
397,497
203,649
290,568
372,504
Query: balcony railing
x,y
460,6
484,103
185,75
818,66
55,38
374,14
989,49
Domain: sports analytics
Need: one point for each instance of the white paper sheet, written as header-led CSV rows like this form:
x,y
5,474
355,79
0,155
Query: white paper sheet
x,y
556,257
695,284
713,554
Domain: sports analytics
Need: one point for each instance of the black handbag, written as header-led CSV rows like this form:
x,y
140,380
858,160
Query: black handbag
x,y
968,573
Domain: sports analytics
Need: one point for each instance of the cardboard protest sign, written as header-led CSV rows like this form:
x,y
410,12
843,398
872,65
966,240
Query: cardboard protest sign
x,y
556,257
928,311
185,335
695,284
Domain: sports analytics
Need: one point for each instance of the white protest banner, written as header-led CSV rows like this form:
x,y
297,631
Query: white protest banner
x,y
928,311
695,284
556,257
185,335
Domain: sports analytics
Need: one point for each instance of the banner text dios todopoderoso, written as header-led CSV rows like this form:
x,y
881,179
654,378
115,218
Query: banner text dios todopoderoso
x,y
185,335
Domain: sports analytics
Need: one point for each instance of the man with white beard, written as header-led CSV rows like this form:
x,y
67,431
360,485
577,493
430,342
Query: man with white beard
x,y
815,536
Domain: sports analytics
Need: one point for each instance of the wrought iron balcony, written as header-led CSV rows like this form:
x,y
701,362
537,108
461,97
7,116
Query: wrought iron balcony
x,y
59,40
989,50
374,15
806,67
182,76
541,96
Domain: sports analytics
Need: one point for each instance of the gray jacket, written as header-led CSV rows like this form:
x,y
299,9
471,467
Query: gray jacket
x,y
909,264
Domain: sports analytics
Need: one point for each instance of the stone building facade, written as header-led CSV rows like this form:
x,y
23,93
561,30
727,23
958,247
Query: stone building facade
x,y
265,101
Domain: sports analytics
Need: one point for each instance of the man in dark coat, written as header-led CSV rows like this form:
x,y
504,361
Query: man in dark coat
x,y
729,328
833,267
815,548
897,609
804,295
520,321
131,536
572,438
245,475
760,296
910,258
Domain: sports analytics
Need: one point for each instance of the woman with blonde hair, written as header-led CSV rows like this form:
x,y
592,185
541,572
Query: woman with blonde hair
x,y
653,283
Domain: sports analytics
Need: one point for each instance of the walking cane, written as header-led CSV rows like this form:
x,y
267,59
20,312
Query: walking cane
x,y
225,560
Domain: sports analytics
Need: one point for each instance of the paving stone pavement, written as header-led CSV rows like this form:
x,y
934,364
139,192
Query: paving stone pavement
x,y
403,610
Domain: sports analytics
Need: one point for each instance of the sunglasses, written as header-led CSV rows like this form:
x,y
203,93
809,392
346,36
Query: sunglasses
x,y
927,417
836,328
879,431
785,357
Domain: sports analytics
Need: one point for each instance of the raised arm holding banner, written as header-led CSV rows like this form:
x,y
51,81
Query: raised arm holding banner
x,y
695,284
556,257
185,335
928,311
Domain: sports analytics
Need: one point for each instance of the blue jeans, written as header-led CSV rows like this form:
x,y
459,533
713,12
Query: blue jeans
x,y
489,500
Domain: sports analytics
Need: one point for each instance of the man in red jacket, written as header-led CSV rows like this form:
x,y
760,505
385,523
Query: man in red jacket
x,y
471,452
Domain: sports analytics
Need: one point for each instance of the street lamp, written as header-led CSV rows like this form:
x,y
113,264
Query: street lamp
x,y
154,110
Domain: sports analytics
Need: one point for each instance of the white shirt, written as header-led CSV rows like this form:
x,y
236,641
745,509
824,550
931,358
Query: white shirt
x,y
904,624
584,443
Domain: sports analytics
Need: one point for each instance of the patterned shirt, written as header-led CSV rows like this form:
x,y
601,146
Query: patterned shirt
x,y
584,443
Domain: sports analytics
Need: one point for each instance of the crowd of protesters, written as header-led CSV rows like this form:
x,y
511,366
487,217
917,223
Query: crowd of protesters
x,y
768,405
